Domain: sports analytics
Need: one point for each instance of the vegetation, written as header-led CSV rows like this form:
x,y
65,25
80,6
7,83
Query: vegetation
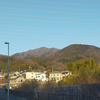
x,y
57,60
47,87
21,64
81,60
84,72
40,61
76,52
6,77
28,85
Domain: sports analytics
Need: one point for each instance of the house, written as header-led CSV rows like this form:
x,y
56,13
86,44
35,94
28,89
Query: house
x,y
20,80
66,73
55,76
58,76
40,76
17,80
1,76
23,74
12,81
31,75
36,75
13,77
14,74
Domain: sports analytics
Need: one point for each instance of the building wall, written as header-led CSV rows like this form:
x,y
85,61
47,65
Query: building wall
x,y
20,79
31,75
41,77
55,77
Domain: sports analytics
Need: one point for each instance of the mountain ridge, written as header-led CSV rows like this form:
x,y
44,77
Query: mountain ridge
x,y
72,52
57,59
39,52
75,52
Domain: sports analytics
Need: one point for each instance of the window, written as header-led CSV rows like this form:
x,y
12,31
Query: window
x,y
57,78
66,73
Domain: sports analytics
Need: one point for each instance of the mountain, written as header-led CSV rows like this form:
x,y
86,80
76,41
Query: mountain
x,y
40,52
75,52
53,57
3,56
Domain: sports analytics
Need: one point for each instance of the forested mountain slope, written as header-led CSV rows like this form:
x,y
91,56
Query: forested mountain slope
x,y
75,52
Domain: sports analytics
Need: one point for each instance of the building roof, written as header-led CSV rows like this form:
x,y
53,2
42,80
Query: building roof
x,y
39,73
33,72
55,72
65,71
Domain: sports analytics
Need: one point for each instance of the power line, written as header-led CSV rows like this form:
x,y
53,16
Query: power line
x,y
63,3
90,0
48,7
47,21
28,27
52,37
49,31
48,11
49,17
36,36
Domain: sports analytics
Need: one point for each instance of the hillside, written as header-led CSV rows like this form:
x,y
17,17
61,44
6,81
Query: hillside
x,y
35,64
40,52
58,59
75,52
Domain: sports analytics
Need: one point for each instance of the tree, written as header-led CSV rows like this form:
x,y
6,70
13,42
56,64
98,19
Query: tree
x,y
84,71
28,85
6,77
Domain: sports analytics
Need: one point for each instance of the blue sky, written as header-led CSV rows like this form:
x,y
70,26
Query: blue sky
x,y
31,24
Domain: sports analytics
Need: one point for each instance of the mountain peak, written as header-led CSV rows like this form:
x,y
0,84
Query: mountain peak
x,y
75,52
39,52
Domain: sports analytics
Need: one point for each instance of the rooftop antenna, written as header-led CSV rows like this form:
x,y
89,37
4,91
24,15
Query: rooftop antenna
x,y
52,68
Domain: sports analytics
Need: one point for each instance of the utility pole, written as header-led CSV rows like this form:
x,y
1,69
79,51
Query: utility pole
x,y
19,70
8,72
52,68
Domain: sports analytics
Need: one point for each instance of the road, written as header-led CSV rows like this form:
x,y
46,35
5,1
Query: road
x,y
3,96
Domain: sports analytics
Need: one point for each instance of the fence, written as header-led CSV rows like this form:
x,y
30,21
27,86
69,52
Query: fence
x,y
23,94
84,89
51,96
75,92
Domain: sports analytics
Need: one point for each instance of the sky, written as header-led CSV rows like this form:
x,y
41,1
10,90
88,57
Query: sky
x,y
31,24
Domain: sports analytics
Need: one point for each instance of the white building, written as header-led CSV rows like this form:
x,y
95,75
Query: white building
x,y
55,76
58,76
31,75
36,75
40,76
